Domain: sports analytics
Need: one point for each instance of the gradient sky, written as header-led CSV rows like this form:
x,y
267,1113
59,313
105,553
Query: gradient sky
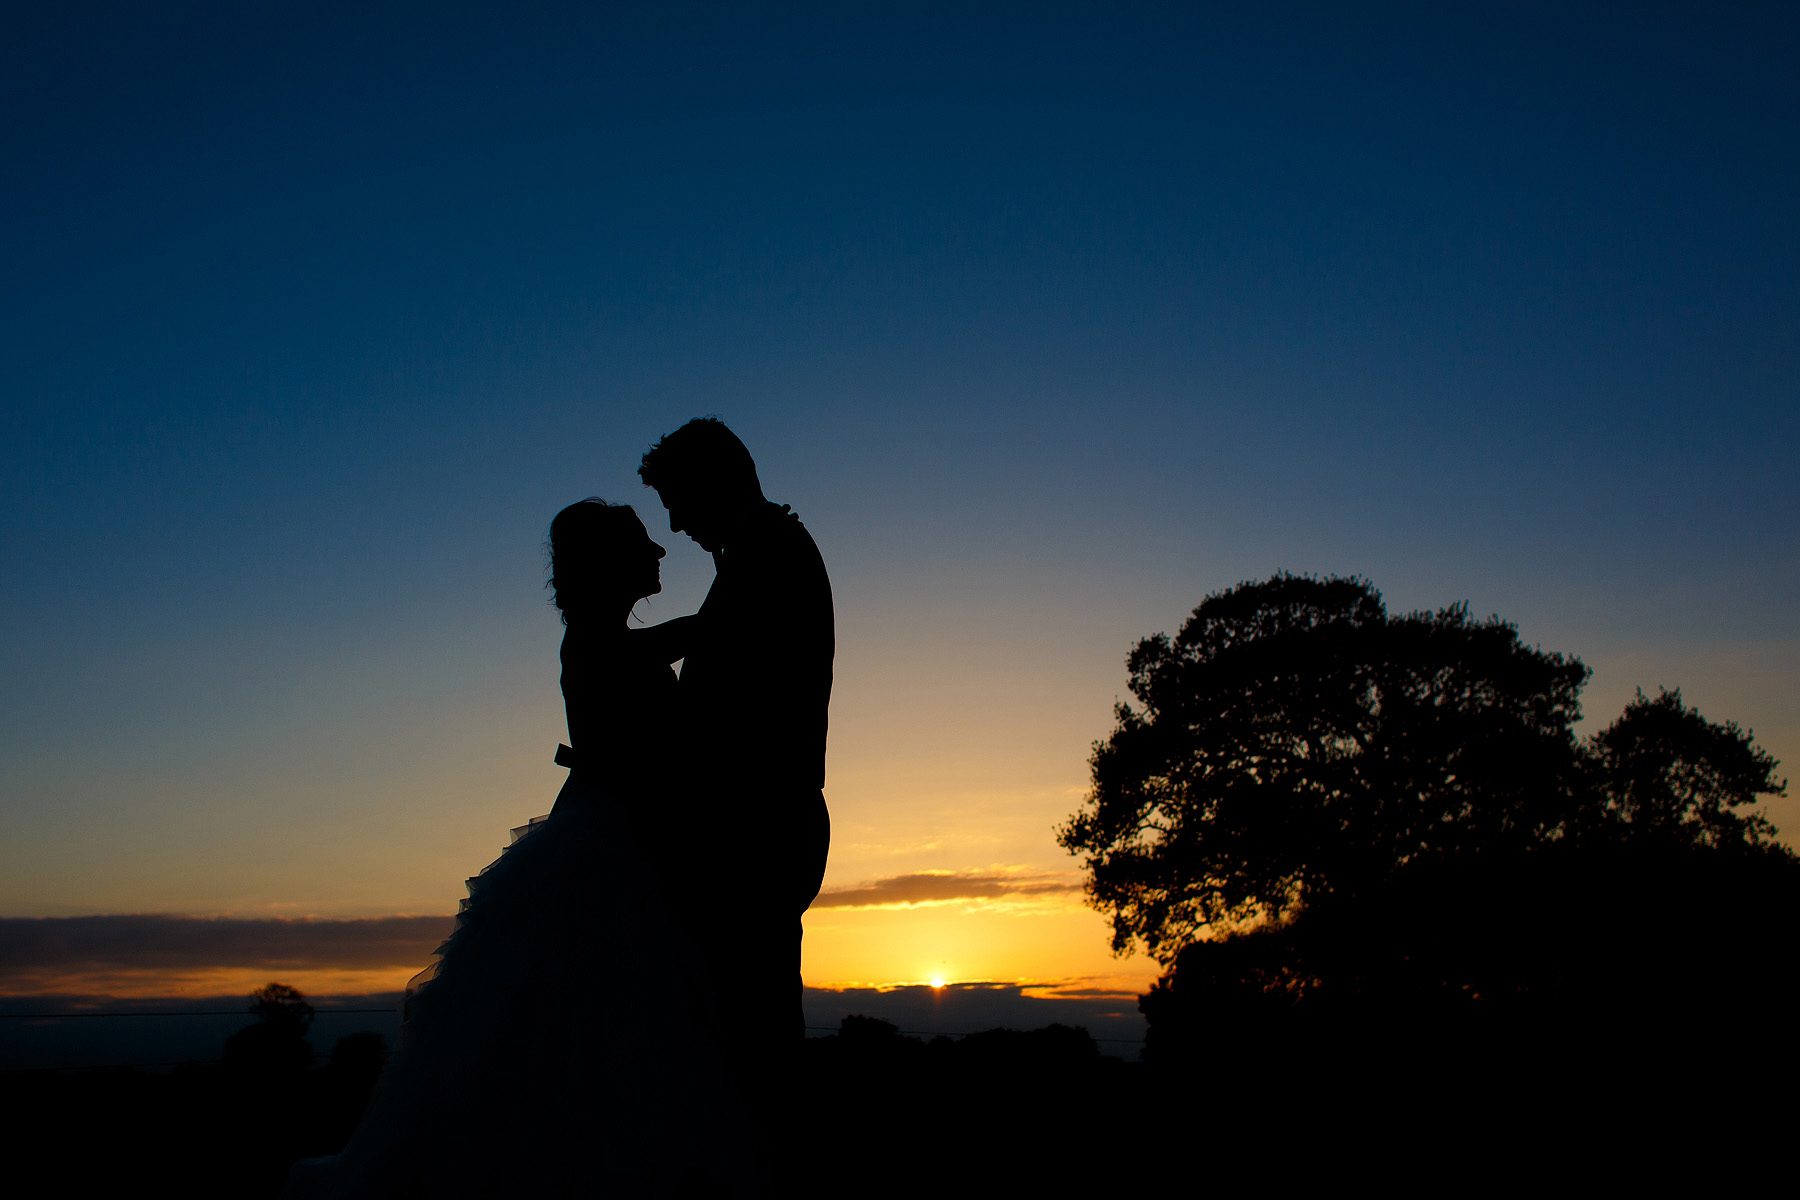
x,y
1048,319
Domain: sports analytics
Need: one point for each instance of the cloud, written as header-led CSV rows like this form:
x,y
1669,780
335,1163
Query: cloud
x,y
938,887
30,946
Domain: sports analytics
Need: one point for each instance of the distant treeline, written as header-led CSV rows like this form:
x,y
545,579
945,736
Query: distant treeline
x,y
232,1127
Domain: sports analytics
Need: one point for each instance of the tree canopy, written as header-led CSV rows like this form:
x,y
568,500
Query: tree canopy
x,y
1296,742
276,1044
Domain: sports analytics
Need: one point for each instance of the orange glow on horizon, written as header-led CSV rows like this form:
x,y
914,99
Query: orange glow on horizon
x,y
1046,944
213,982
198,983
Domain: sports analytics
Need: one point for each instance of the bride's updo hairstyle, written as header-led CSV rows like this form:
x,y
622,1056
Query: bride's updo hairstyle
x,y
584,542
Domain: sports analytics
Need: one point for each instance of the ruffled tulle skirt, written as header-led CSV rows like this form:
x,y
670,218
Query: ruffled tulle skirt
x,y
562,1044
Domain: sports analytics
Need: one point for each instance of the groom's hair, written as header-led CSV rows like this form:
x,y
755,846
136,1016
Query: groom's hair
x,y
702,455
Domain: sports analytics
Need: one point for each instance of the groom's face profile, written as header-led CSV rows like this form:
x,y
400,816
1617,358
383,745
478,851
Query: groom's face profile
x,y
692,514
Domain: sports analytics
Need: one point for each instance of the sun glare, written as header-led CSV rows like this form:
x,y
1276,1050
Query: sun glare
x,y
937,982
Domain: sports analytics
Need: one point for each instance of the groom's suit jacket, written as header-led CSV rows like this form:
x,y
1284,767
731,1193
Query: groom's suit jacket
x,y
755,689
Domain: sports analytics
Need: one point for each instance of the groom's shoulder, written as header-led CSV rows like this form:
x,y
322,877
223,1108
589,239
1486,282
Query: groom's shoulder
x,y
784,545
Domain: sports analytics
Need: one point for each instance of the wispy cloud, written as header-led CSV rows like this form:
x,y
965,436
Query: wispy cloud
x,y
30,946
940,887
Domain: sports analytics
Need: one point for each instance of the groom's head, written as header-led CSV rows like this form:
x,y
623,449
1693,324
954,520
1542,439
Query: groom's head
x,y
705,478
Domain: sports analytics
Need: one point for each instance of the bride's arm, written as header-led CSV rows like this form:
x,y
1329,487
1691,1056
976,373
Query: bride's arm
x,y
668,641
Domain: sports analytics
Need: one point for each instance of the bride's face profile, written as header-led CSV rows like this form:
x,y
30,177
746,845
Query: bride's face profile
x,y
640,561
601,560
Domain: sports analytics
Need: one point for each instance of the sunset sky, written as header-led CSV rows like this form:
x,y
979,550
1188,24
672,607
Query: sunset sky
x,y
1048,320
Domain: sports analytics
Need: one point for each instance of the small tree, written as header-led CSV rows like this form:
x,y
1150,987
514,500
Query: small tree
x,y
277,1042
1667,774
283,1006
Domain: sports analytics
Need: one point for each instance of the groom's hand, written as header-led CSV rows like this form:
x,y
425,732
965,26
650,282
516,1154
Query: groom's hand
x,y
670,640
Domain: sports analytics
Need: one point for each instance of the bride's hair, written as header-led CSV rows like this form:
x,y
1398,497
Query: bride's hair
x,y
581,540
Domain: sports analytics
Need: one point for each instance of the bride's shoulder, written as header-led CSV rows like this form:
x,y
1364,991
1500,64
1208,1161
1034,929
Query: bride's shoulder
x,y
587,656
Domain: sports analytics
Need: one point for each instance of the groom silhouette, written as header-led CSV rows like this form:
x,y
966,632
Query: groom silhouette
x,y
751,720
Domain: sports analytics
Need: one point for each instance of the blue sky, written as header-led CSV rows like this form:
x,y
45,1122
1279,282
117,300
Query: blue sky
x,y
1048,319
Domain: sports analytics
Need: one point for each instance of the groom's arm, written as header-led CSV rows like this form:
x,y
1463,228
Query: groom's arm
x,y
670,640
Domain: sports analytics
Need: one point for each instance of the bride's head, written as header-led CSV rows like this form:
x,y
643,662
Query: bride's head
x,y
601,561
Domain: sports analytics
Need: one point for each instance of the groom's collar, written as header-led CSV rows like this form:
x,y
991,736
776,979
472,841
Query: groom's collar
x,y
750,527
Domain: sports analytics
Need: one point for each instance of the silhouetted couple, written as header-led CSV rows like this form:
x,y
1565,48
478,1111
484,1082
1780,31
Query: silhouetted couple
x,y
618,1009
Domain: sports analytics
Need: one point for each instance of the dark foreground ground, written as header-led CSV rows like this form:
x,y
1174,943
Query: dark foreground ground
x,y
1031,1115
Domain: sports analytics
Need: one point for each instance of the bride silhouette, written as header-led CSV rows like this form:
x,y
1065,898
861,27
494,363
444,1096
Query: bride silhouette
x,y
563,1042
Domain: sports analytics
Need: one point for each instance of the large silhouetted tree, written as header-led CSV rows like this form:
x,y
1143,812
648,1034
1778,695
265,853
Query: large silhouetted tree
x,y
1364,845
1296,744
1295,740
